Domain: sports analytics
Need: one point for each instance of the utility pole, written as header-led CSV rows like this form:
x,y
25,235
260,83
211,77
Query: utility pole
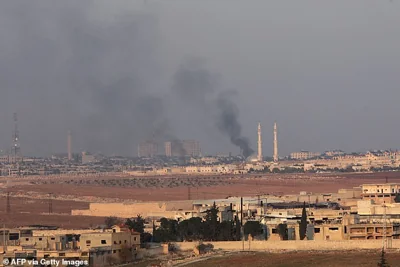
x,y
384,239
241,221
8,208
50,204
4,238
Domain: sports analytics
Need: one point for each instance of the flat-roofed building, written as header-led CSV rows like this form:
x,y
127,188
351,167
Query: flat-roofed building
x,y
180,148
147,149
380,193
304,155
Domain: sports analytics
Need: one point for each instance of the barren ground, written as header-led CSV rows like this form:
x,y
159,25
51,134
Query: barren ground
x,y
30,205
302,259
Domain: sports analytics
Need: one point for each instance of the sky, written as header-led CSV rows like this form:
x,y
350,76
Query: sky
x,y
119,72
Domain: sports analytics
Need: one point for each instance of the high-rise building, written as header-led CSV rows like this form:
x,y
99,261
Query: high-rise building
x,y
276,156
260,154
147,149
69,146
180,148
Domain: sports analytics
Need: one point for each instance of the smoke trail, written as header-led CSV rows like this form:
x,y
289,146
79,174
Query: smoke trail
x,y
197,85
228,123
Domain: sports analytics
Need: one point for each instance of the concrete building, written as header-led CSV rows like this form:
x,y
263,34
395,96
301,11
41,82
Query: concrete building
x,y
302,155
380,193
180,148
147,149
115,245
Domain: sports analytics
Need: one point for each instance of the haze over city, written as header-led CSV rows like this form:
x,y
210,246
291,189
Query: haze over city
x,y
117,72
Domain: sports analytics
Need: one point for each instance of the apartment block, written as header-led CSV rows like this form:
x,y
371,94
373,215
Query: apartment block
x,y
180,148
304,155
147,149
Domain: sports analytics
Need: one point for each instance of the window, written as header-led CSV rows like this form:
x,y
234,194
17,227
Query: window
x,y
88,242
53,238
125,241
61,254
84,254
114,251
134,239
13,236
317,230
26,239
333,229
120,242
40,239
115,242
103,242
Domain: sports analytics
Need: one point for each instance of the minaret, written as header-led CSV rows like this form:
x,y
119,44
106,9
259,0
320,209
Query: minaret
x,y
69,146
260,154
276,157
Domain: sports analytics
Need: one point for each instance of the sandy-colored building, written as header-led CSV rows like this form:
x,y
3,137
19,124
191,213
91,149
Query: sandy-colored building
x,y
302,155
380,193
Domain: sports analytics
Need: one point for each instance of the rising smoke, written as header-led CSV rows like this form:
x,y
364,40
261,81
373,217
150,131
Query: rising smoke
x,y
197,85
93,68
83,66
228,123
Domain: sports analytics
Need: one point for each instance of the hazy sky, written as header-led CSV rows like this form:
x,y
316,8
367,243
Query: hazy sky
x,y
117,72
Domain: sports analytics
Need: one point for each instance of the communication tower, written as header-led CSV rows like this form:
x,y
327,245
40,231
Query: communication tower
x,y
16,149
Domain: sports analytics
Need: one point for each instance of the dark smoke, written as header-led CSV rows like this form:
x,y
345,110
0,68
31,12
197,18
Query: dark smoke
x,y
80,66
198,86
228,123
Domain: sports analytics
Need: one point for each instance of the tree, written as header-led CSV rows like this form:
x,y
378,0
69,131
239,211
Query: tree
x,y
253,228
168,231
237,229
211,223
111,221
276,170
303,223
191,229
283,231
397,198
226,231
136,224
382,262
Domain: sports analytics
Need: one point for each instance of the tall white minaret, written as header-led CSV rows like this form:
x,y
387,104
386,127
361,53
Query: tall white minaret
x,y
276,157
260,154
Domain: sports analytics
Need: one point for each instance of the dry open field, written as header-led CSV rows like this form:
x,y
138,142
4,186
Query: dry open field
x,y
302,259
29,198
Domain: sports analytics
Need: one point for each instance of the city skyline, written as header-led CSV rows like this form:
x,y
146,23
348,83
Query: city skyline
x,y
160,76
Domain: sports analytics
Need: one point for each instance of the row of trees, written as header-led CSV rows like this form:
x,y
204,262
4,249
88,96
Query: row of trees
x,y
209,229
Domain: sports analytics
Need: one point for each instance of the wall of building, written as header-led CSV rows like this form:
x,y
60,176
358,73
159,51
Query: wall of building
x,y
292,245
132,210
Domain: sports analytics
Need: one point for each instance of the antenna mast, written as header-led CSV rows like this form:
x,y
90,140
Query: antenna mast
x,y
16,150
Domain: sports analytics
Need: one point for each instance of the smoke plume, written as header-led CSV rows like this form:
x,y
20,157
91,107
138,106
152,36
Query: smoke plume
x,y
228,123
198,86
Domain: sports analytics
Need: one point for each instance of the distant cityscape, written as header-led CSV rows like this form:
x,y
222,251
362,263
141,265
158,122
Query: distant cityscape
x,y
185,156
